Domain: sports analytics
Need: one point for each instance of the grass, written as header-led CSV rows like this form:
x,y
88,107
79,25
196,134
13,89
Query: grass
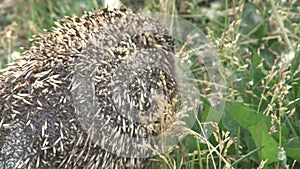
x,y
258,45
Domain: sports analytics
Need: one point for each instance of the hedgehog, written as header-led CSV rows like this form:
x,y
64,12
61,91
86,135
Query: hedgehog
x,y
90,93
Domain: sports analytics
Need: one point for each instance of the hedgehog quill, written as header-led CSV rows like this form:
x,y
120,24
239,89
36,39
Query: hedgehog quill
x,y
88,93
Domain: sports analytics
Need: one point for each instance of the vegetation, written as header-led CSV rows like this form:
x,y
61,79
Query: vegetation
x,y
257,43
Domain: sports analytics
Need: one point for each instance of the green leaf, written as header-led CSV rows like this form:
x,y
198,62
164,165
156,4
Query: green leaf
x,y
190,143
258,125
295,62
261,137
292,148
257,70
252,21
242,114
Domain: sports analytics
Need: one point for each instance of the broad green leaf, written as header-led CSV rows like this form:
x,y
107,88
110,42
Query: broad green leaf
x,y
190,143
261,137
292,148
257,69
252,22
258,125
242,114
